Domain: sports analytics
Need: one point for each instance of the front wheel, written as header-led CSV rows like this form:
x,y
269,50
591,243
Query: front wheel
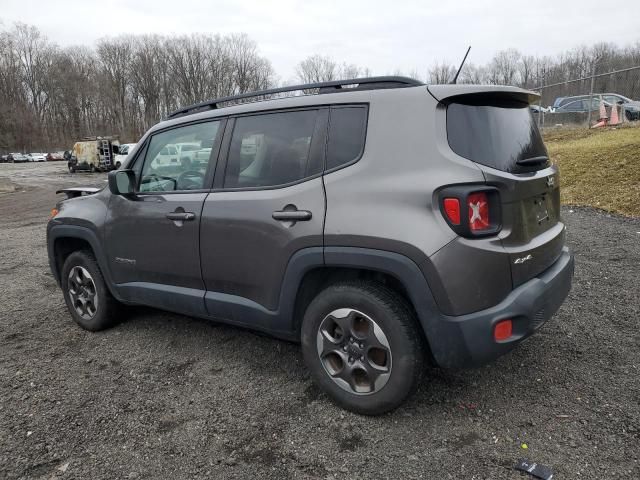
x,y
363,347
89,301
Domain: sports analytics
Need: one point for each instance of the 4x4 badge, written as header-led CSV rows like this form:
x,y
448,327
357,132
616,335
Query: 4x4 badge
x,y
521,260
551,181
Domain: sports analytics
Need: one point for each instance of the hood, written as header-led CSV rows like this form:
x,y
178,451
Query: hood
x,y
74,192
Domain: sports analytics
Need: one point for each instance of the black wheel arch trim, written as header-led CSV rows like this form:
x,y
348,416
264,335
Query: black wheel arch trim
x,y
281,322
61,231
444,337
403,269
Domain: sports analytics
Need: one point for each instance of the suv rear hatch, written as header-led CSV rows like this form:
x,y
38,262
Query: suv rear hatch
x,y
493,127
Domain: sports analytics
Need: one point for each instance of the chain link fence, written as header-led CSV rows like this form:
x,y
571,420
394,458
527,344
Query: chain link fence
x,y
595,100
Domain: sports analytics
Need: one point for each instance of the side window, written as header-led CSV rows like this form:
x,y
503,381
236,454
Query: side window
x,y
270,149
575,106
347,129
178,159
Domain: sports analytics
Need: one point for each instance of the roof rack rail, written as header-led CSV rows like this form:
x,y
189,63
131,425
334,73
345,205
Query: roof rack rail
x,y
369,83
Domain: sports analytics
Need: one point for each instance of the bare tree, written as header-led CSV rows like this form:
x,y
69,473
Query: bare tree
x,y
35,60
440,73
473,74
147,75
317,68
503,69
115,57
525,69
51,96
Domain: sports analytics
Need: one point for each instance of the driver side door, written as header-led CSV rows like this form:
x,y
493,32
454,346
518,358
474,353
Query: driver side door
x,y
152,237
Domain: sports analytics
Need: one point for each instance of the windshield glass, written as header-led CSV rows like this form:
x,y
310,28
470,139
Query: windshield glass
x,y
496,134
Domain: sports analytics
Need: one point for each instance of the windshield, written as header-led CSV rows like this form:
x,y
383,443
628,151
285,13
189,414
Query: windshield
x,y
498,134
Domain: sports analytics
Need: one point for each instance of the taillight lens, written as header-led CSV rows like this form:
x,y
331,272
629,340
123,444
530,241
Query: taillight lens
x,y
472,211
452,210
478,205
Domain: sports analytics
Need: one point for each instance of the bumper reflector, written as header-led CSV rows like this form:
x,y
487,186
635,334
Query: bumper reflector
x,y
502,330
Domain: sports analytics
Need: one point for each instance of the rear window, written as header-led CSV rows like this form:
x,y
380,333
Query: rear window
x,y
501,135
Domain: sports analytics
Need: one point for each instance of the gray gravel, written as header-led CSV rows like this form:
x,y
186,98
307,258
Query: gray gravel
x,y
166,396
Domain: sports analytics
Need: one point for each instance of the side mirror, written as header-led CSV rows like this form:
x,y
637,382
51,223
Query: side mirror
x,y
122,182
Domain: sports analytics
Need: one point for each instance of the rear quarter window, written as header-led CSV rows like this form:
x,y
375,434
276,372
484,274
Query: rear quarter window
x,y
347,131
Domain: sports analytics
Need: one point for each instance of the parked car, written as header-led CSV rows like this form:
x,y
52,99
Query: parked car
x,y
372,224
123,152
37,157
18,158
5,158
538,109
55,156
581,105
568,104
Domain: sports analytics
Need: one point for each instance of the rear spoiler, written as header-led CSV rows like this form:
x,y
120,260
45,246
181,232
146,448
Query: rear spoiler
x,y
74,192
449,92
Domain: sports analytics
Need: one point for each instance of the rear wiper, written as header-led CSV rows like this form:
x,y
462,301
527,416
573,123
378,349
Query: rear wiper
x,y
527,162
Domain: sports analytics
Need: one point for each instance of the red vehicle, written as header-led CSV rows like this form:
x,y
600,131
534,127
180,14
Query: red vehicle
x,y
54,156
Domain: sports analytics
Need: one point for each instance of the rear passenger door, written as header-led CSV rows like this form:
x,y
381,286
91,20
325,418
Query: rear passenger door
x,y
267,203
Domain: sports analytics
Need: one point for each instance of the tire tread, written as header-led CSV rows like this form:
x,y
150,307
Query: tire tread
x,y
109,307
406,323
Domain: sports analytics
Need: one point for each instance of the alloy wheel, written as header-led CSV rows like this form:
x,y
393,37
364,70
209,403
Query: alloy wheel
x,y
354,351
82,292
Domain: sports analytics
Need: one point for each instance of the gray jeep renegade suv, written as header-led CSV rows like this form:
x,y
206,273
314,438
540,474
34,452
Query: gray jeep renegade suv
x,y
377,221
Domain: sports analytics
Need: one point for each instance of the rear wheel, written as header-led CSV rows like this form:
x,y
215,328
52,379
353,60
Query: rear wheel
x,y
363,347
89,301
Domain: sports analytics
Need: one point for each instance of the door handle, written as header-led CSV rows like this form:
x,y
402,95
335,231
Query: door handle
x,y
181,216
292,215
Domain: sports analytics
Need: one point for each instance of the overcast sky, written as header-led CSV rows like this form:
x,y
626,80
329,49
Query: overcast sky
x,y
383,35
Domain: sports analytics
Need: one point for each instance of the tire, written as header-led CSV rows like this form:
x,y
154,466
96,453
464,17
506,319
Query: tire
x,y
92,169
362,307
71,169
92,297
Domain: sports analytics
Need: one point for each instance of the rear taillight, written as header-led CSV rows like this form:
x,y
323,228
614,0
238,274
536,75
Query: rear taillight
x,y
471,211
478,205
452,210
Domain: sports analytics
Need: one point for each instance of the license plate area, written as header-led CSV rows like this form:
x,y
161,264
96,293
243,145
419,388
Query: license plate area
x,y
541,209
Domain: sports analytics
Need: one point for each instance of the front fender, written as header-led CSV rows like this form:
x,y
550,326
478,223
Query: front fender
x,y
60,232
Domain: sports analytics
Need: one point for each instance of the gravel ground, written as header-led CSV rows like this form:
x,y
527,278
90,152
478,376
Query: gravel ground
x,y
166,396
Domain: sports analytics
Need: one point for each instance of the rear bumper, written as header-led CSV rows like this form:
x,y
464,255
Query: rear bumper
x,y
467,340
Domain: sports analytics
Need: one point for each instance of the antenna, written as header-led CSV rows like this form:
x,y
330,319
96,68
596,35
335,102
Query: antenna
x,y
461,65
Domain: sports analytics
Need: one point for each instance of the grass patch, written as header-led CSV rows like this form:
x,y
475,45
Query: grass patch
x,y
598,168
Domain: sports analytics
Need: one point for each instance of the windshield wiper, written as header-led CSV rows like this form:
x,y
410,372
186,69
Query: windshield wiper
x,y
528,162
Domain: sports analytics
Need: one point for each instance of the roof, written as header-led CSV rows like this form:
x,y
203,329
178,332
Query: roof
x,y
335,86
